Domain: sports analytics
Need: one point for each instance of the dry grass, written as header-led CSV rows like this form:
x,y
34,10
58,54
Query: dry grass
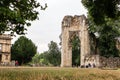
x,y
27,73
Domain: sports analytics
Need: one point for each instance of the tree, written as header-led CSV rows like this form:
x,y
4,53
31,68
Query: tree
x,y
17,14
41,59
35,58
107,42
99,10
50,57
104,17
23,50
54,55
44,58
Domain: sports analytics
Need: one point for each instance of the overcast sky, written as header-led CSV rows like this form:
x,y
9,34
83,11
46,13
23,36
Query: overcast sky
x,y
48,27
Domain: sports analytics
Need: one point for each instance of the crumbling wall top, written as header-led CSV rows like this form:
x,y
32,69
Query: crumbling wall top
x,y
73,20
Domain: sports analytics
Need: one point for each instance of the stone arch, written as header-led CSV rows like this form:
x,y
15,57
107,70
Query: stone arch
x,y
71,26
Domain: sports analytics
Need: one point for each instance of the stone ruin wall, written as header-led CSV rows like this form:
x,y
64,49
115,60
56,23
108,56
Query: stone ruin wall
x,y
103,62
78,24
70,25
5,48
111,62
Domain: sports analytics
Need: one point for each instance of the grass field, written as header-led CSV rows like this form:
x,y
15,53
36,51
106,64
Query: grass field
x,y
29,73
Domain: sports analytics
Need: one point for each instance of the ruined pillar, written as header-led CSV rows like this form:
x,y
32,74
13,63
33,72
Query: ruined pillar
x,y
66,56
85,46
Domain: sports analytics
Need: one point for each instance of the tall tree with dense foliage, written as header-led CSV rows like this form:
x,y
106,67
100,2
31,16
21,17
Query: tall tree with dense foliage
x,y
54,54
104,17
99,10
17,14
23,50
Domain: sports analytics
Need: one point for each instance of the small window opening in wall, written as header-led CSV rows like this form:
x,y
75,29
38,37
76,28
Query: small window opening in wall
x,y
6,57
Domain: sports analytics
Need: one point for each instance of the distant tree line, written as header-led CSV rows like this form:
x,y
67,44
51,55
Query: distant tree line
x,y
25,52
52,57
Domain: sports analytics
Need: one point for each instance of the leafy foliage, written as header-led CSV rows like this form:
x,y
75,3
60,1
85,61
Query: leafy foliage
x,y
44,58
23,50
52,57
107,42
17,14
35,58
54,54
104,17
41,59
98,10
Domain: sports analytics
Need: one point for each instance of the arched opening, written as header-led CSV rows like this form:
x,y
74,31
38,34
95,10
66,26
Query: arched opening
x,y
75,51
